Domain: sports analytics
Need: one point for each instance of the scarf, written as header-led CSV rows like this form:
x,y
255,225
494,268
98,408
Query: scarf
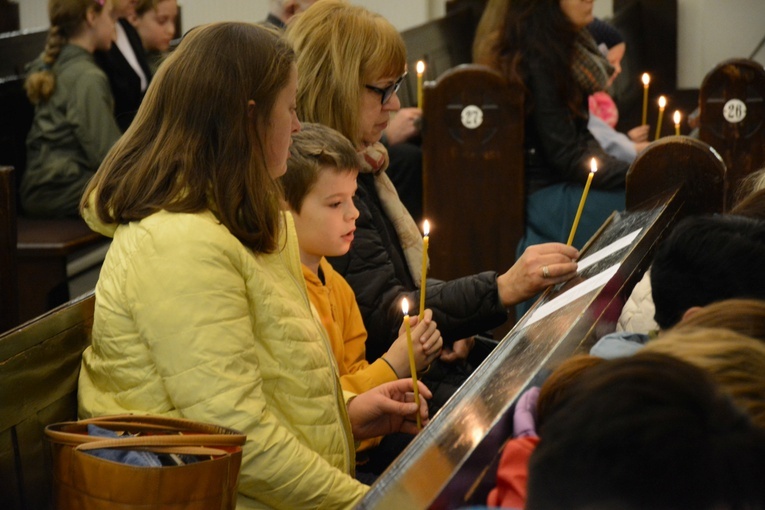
x,y
591,69
374,160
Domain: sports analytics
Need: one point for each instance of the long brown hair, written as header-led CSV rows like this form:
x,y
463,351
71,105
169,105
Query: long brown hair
x,y
511,32
190,147
341,47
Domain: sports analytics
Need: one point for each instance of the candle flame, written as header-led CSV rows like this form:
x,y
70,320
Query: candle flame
x,y
420,67
405,306
676,116
646,79
426,227
662,102
593,165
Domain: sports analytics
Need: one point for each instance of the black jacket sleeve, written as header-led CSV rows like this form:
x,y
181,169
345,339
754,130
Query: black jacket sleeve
x,y
376,270
562,140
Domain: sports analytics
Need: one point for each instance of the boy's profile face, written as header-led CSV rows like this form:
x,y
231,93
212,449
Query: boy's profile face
x,y
327,218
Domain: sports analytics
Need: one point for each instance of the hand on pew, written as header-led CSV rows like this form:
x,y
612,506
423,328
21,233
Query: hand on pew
x,y
539,267
405,124
386,409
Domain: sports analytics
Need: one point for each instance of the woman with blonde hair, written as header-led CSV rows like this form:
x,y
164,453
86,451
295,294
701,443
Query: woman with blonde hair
x,y
201,307
73,126
351,63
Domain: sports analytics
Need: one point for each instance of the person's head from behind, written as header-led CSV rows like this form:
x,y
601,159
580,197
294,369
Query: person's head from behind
x,y
155,23
647,431
736,362
319,187
744,316
556,387
213,132
351,62
87,23
706,259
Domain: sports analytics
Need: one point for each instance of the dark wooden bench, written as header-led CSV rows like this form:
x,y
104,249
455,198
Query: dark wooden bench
x,y
39,367
732,118
46,250
452,462
473,172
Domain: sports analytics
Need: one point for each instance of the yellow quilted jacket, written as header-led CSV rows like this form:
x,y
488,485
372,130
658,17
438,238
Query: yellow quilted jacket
x,y
189,322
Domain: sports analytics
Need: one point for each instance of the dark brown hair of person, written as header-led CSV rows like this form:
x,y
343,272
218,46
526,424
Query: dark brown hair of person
x,y
555,388
512,31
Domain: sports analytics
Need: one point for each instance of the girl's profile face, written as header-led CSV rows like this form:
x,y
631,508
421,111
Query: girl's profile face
x,y
374,116
578,11
157,26
281,124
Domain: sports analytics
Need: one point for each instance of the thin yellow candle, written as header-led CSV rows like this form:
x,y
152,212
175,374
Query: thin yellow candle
x,y
593,169
426,231
412,364
646,79
662,105
420,72
676,118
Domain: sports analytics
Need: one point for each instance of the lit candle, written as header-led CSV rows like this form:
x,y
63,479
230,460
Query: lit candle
x,y
426,231
662,105
593,169
420,72
646,80
412,364
676,118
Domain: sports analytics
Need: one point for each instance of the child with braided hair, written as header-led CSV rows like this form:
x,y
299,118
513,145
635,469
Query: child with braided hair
x,y
73,126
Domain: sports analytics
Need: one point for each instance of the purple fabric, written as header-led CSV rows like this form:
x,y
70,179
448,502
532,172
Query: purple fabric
x,y
524,419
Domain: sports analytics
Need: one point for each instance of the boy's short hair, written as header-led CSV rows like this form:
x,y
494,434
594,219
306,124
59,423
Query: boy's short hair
x,y
707,259
314,148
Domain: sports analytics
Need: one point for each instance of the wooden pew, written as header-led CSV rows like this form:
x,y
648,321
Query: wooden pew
x,y
46,250
452,462
473,171
732,119
9,290
39,367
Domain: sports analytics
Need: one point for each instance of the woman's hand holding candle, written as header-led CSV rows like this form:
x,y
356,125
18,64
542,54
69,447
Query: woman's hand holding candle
x,y
525,278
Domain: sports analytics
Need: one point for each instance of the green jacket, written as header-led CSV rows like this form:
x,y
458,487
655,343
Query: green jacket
x,y
189,322
70,136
